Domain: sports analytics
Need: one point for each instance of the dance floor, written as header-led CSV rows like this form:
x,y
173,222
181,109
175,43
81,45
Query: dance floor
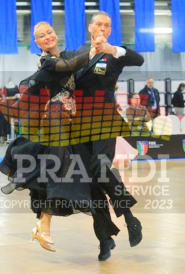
x,y
159,188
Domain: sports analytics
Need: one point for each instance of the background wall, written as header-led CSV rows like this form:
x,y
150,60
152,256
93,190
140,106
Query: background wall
x,y
160,64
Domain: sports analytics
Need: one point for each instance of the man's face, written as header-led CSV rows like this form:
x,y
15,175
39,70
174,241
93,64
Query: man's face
x,y
46,38
135,100
150,83
101,25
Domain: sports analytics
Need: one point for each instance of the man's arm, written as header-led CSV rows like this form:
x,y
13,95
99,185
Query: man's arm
x,y
132,58
127,56
147,116
144,98
158,95
129,114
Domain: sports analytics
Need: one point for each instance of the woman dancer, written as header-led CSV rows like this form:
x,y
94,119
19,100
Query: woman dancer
x,y
46,111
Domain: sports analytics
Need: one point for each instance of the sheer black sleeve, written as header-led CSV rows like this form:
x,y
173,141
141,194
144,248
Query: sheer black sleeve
x,y
63,64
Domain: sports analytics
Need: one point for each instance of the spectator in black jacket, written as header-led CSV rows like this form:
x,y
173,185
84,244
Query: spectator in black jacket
x,y
150,98
178,100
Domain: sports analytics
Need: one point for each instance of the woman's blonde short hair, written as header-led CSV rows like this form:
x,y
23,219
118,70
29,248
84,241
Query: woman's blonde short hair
x,y
39,25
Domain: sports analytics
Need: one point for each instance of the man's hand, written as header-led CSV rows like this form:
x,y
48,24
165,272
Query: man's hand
x,y
98,40
102,46
106,48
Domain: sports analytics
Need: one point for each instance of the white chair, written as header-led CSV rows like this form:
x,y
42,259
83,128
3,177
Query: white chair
x,y
183,125
176,124
149,124
162,125
121,99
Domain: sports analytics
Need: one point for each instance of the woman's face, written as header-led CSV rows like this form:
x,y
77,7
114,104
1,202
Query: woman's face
x,y
46,38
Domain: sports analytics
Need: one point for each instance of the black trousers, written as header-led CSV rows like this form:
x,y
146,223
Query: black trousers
x,y
97,157
103,225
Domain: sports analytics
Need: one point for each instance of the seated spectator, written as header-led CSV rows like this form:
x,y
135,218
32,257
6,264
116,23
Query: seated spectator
x,y
150,98
137,116
4,128
178,100
9,92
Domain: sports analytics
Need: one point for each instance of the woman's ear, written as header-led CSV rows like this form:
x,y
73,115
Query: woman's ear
x,y
36,43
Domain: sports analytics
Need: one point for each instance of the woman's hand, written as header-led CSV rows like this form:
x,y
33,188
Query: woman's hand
x,y
100,45
99,40
92,52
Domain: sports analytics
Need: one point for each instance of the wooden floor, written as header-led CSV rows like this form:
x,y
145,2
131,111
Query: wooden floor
x,y
161,251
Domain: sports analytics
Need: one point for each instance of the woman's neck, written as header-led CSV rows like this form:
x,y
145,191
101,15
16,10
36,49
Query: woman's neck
x,y
54,52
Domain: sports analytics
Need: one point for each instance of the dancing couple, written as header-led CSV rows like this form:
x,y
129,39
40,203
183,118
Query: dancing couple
x,y
50,106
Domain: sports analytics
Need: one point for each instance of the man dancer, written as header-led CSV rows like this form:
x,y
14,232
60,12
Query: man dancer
x,y
105,78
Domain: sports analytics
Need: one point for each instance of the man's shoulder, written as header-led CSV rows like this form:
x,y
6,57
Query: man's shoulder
x,y
129,109
142,107
144,90
156,90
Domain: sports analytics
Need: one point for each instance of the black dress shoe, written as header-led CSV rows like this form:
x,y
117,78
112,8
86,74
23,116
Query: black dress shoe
x,y
105,249
134,231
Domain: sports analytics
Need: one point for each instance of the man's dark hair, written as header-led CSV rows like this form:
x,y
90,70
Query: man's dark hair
x,y
99,13
131,95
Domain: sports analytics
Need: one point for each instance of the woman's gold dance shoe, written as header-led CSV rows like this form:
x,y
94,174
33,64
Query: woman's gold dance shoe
x,y
43,238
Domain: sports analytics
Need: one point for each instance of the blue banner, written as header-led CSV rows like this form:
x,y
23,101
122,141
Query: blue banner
x,y
40,11
8,28
112,7
74,23
178,20
144,25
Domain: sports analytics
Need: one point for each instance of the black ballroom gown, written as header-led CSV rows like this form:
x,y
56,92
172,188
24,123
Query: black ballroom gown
x,y
45,111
